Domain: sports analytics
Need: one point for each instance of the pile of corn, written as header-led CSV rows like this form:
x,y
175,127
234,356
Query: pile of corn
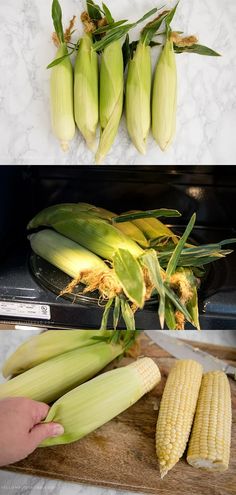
x,y
86,97
128,259
49,366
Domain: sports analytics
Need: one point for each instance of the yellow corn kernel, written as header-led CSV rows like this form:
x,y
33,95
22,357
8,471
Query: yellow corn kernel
x,y
209,446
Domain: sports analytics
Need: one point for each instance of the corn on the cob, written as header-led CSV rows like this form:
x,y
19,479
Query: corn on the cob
x,y
138,96
111,97
164,99
93,404
73,259
176,413
209,446
62,95
86,90
53,378
47,345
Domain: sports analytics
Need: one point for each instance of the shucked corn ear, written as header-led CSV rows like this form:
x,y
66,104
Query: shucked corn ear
x,y
47,345
138,96
164,98
78,262
93,404
86,90
209,446
111,97
53,378
176,412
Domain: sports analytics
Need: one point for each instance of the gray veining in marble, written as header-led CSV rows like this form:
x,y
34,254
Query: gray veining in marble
x,y
206,99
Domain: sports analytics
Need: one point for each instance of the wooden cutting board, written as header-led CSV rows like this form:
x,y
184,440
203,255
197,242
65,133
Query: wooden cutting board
x,y
121,454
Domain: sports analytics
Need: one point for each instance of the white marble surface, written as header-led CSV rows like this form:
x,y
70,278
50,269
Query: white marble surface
x,y
16,484
206,100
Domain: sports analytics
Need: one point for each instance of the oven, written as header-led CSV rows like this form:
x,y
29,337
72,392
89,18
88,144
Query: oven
x,y
29,287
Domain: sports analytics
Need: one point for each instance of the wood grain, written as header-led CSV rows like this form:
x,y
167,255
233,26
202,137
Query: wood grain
x,y
121,454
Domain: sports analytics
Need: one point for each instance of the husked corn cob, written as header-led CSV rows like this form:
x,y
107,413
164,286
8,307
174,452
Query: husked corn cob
x,y
45,346
176,413
93,404
209,446
53,378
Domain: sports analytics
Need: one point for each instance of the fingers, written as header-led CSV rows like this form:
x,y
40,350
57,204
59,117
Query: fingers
x,y
45,430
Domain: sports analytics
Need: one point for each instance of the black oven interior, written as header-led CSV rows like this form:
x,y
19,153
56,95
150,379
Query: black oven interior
x,y
208,191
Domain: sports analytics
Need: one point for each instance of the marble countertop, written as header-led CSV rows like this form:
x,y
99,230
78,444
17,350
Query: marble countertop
x,y
206,99
15,484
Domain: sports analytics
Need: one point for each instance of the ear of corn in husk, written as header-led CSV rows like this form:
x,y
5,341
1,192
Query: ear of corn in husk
x,y
153,228
164,98
111,97
76,261
176,413
138,96
93,404
53,378
128,228
86,90
209,446
47,345
62,99
105,240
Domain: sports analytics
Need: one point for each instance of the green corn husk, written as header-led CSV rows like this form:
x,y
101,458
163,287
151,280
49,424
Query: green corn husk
x,y
86,91
128,228
154,228
111,97
93,404
76,261
53,378
62,100
47,345
138,96
164,98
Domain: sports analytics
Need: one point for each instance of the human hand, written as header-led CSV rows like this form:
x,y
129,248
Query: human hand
x,y
20,428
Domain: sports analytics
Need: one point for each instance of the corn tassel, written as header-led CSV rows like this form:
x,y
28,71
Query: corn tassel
x,y
86,91
164,99
111,97
45,346
138,96
53,378
93,404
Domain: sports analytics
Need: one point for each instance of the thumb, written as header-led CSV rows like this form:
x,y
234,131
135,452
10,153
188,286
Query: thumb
x,y
45,430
